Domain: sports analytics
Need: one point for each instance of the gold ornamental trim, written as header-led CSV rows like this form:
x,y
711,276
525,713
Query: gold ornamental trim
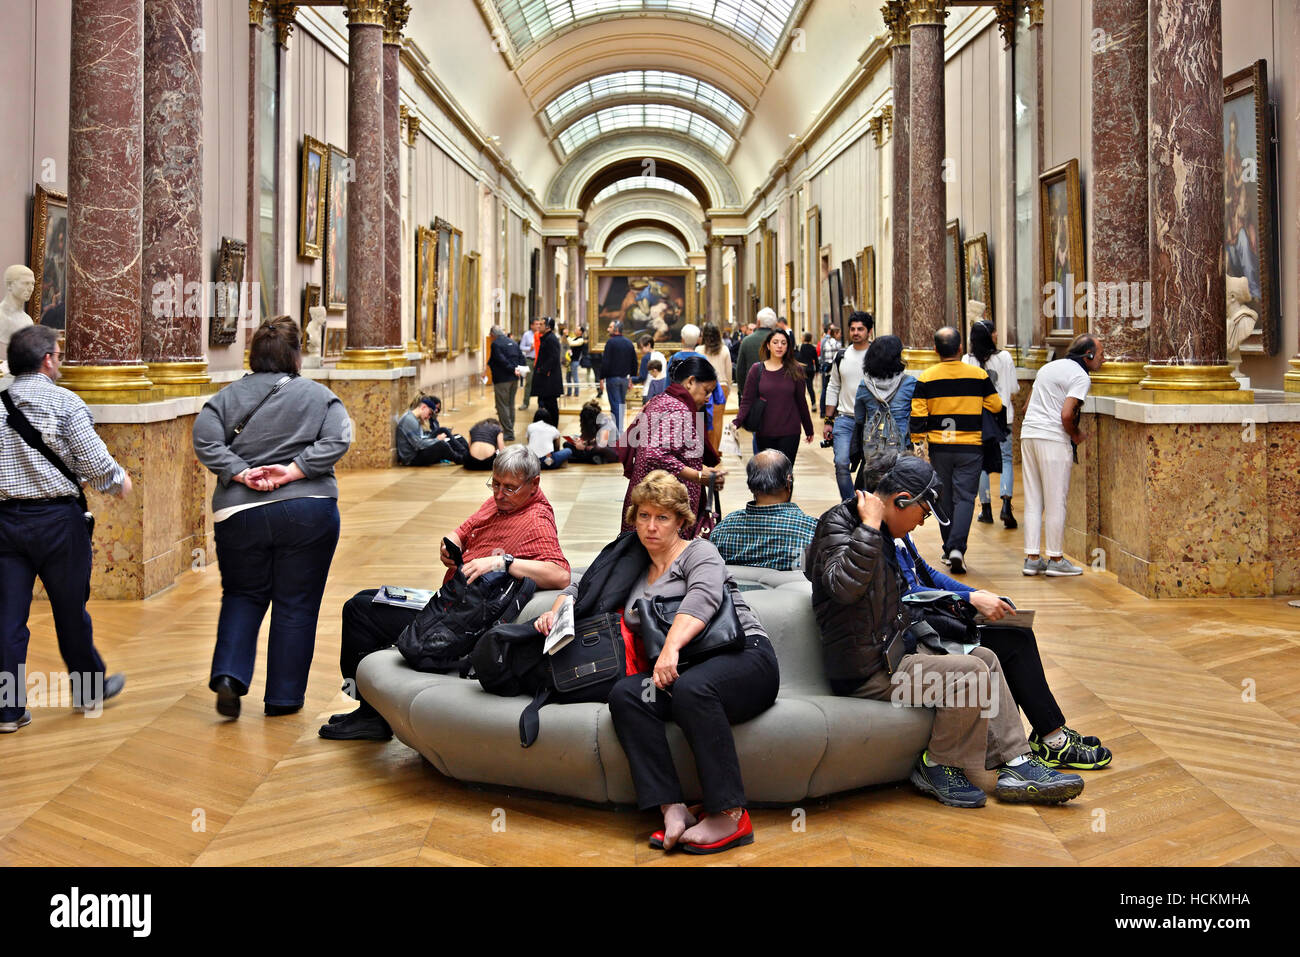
x,y
412,129
918,360
256,13
1007,14
110,385
1129,373
180,378
887,114
926,13
284,23
1200,385
1036,358
900,28
367,12
395,17
1035,13
877,126
1291,381
368,359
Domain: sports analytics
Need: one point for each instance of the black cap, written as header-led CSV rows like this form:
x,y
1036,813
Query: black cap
x,y
921,482
431,401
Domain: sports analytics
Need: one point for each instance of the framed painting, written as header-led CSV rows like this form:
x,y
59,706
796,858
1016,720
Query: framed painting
x,y
979,278
1250,201
517,309
813,277
456,298
426,244
311,197
336,229
1064,257
794,307
769,268
444,281
310,298
228,280
49,258
336,338
835,298
849,286
954,311
867,279
829,313
469,302
659,300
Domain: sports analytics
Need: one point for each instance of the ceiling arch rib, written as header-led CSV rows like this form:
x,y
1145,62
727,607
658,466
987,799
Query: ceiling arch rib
x,y
626,170
648,153
640,237
653,183
645,224
648,212
628,86
638,116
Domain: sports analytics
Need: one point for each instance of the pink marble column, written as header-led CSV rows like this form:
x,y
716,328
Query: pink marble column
x,y
1037,349
173,180
572,315
900,51
1119,231
1186,163
714,279
927,216
366,314
105,174
398,13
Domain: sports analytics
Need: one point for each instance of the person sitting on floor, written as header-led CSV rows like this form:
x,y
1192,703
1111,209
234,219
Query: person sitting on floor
x,y
415,446
596,436
771,531
544,440
513,533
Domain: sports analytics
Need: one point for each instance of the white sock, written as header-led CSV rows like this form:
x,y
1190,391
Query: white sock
x,y
1016,762
1057,740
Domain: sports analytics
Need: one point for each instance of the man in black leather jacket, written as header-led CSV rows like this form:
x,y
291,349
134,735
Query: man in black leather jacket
x,y
857,589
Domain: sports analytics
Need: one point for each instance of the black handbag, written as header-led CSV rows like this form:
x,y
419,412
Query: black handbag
x,y
722,634
586,669
754,417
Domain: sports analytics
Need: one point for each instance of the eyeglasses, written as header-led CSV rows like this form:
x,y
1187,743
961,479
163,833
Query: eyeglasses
x,y
496,486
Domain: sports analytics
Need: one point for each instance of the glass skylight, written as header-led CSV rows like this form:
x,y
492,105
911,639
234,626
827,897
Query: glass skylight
x,y
761,22
643,182
648,84
653,115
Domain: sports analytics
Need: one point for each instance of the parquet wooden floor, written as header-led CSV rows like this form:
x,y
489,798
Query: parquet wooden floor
x,y
1200,701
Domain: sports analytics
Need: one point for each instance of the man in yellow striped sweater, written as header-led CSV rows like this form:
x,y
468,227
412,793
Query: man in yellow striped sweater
x,y
948,410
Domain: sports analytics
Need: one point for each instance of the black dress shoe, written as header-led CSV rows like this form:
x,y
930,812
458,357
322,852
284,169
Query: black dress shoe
x,y
275,710
986,514
227,696
1008,520
357,728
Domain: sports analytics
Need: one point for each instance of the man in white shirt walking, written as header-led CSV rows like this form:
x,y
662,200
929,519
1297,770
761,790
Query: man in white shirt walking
x,y
1048,434
841,391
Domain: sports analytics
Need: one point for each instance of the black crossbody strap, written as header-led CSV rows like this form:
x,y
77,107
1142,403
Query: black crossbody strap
x,y
274,389
28,433
921,573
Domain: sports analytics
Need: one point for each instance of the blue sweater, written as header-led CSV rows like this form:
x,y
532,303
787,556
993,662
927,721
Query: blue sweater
x,y
914,582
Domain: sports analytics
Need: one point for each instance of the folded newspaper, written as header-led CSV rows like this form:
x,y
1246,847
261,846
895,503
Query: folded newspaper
x,y
563,630
400,597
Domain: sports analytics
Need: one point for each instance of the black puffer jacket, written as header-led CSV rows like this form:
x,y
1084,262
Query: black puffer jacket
x,y
856,594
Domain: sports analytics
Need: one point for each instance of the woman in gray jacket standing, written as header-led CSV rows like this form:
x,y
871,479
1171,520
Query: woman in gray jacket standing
x,y
272,439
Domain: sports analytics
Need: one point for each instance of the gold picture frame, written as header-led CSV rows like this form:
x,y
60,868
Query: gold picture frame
x,y
336,339
227,292
867,279
640,299
1065,262
312,185
469,324
426,284
336,230
978,274
954,299
49,258
812,274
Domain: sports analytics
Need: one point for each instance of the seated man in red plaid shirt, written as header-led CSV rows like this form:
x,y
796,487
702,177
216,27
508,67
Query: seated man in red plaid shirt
x,y
513,533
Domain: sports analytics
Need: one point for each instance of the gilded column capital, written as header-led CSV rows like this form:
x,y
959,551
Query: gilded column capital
x,y
256,13
395,17
284,22
1007,14
367,12
900,28
927,12
1035,12
571,241
715,242
412,129
887,114
527,226
877,126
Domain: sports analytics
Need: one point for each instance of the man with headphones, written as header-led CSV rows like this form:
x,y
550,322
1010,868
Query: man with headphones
x,y
873,646
1049,433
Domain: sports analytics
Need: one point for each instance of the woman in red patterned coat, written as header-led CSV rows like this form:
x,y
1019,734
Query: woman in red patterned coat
x,y
668,434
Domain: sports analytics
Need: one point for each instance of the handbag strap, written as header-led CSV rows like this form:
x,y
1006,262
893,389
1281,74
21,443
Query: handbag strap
x,y
285,380
23,426
710,498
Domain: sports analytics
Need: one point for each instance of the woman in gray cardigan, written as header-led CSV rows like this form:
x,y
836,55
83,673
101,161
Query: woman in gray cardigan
x,y
272,439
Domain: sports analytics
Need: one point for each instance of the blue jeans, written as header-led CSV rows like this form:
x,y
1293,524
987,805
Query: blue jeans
x,y
842,434
572,387
279,555
557,458
1006,480
616,387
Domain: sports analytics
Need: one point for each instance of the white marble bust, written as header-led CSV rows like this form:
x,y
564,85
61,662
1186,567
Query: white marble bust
x,y
19,284
1241,319
975,310
315,344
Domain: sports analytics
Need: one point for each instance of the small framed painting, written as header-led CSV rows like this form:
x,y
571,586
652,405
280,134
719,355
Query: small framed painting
x,y
955,296
979,278
227,287
336,230
867,279
1064,257
311,198
336,338
49,262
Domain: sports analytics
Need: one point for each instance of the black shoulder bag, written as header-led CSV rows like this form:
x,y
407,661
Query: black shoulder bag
x,y
28,433
723,633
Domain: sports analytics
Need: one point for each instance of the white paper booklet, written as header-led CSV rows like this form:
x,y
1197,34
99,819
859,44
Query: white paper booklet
x,y
562,630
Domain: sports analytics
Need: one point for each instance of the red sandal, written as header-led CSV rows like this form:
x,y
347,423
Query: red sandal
x,y
744,835
695,810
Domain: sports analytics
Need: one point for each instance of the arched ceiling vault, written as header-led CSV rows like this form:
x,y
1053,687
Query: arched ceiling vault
x,y
645,224
630,169
648,151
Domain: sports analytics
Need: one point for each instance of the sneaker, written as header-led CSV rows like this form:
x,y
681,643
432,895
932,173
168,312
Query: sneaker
x,y
113,685
354,727
1034,566
1079,753
22,721
986,514
1033,782
1062,568
956,562
947,785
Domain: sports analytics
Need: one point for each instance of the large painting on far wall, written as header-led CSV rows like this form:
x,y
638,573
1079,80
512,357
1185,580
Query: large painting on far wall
x,y
1061,238
659,302
336,230
954,272
1249,203
49,258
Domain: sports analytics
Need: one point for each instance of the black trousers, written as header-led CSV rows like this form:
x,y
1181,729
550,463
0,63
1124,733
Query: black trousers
x,y
45,538
958,467
1017,651
479,465
789,444
368,627
705,701
440,451
552,405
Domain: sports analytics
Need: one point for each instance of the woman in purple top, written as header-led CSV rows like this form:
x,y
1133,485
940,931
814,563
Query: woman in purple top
x,y
779,379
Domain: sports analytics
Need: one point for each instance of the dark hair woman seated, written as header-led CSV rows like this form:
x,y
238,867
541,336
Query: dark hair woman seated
x,y
596,434
704,699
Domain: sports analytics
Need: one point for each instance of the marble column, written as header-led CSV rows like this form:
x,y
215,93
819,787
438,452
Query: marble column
x,y
575,278
366,311
1291,381
714,280
1188,334
1120,234
927,214
105,178
582,284
398,13
900,53
1036,355
743,314
172,253
550,307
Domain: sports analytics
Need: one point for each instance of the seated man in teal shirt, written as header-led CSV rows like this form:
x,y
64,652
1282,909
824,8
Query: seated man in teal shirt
x,y
771,531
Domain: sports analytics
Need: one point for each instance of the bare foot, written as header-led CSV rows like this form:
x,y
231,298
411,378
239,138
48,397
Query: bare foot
x,y
714,827
677,818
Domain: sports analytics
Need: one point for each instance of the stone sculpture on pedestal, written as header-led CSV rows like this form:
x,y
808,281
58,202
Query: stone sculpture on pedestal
x,y
1241,320
19,283
312,348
